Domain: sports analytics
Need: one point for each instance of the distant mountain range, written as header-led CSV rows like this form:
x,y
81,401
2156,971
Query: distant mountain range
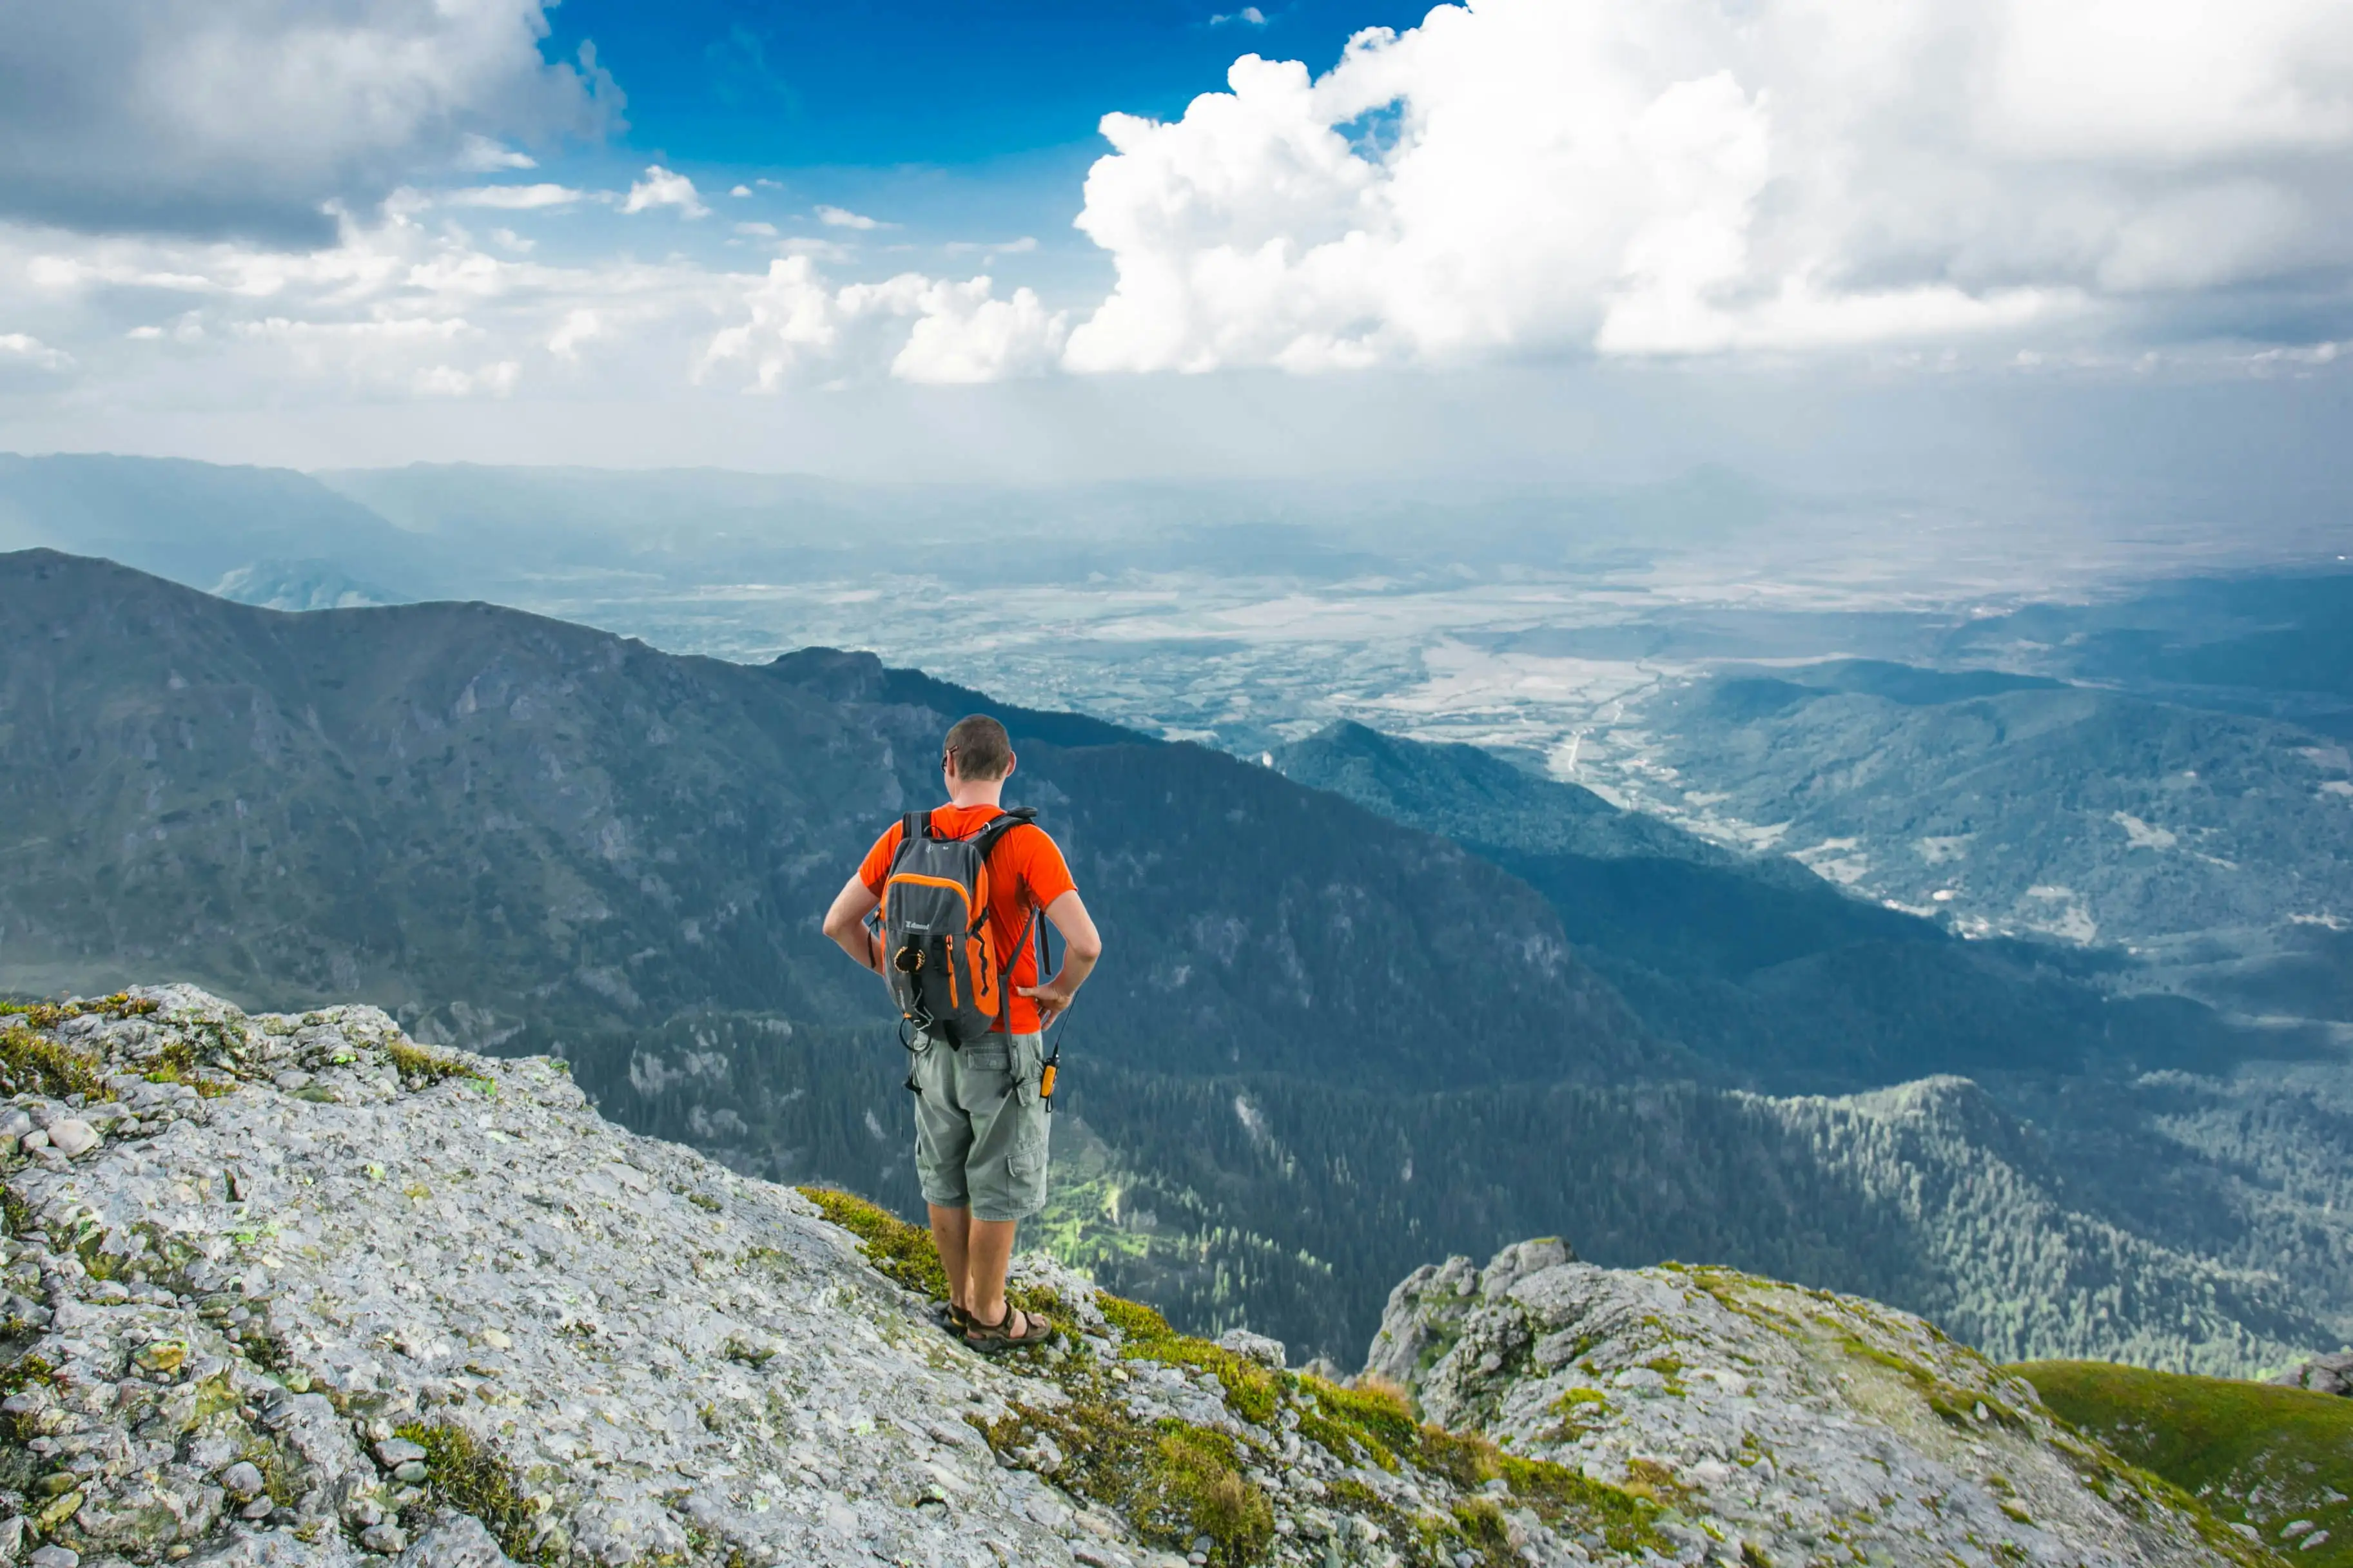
x,y
2203,850
1428,1006
1757,963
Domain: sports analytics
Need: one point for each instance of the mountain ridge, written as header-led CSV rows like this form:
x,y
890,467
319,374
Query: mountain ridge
x,y
311,1292
546,840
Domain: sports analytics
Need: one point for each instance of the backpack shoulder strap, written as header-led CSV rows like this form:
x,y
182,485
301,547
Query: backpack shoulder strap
x,y
913,825
1000,825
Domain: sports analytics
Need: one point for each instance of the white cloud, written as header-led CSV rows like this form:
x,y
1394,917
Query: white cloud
x,y
1249,15
1534,175
508,239
20,349
514,198
483,156
757,230
248,117
799,327
962,334
1022,246
402,307
842,218
487,381
578,328
741,191
662,188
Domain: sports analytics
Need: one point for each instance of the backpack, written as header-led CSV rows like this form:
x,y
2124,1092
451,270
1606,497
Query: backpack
x,y
938,952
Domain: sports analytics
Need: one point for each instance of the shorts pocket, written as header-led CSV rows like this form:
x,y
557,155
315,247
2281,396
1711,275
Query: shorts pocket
x,y
1029,1067
1027,1160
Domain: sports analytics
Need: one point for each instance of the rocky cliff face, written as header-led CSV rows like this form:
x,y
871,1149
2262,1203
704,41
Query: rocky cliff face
x,y
1780,1424
294,1289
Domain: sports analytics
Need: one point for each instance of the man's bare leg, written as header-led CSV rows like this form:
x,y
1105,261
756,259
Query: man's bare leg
x,y
991,1251
951,1232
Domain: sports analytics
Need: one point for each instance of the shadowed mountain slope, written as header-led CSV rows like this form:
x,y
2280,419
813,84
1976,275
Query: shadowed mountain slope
x,y
1755,962
529,818
1327,1046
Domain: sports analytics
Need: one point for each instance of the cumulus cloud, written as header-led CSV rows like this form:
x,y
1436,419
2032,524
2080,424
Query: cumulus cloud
x,y
799,326
842,218
1521,176
663,188
514,198
402,307
250,117
1249,15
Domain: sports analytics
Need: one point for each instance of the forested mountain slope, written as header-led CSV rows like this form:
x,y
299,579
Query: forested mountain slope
x,y
535,820
1755,962
1328,1046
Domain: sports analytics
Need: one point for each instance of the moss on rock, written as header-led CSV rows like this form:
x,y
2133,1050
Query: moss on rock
x,y
896,1248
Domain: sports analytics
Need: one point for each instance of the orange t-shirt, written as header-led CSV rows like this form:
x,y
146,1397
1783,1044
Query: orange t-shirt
x,y
1025,873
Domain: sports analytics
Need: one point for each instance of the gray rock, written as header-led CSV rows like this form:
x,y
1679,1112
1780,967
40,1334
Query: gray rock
x,y
2331,1373
678,1381
242,1480
459,1541
1255,1347
1789,1416
278,1549
55,1557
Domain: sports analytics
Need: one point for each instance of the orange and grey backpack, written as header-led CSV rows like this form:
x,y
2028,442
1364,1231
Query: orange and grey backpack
x,y
938,952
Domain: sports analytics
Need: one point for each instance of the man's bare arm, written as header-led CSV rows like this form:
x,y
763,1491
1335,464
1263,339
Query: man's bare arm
x,y
846,923
1082,946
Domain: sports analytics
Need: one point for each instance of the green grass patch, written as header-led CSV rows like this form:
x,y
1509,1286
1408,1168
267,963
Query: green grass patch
x,y
474,1481
1170,1480
1173,1481
419,1066
1251,1389
1558,1495
31,1064
49,1015
2222,1442
900,1250
1579,1410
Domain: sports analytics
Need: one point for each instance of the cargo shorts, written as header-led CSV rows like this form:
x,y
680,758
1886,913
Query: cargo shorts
x,y
980,1125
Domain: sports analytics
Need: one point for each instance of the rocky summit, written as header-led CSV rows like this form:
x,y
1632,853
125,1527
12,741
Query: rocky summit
x,y
1800,1426
288,1290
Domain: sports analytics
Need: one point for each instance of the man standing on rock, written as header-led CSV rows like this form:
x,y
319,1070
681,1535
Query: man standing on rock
x,y
980,1111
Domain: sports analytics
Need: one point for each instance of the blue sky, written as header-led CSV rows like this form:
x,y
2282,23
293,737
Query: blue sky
x,y
764,88
341,231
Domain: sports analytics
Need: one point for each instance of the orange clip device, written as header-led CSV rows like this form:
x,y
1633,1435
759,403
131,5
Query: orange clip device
x,y
1046,1082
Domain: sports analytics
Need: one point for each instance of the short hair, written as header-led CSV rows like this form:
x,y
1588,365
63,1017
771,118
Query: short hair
x,y
979,748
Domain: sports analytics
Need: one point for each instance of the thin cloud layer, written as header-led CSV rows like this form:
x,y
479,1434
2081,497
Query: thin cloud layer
x,y
1686,177
251,117
406,305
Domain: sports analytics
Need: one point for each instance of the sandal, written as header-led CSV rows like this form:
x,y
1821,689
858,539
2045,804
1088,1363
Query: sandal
x,y
953,1318
990,1338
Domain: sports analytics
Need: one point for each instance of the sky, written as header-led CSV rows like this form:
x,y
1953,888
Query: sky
x,y
1072,240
